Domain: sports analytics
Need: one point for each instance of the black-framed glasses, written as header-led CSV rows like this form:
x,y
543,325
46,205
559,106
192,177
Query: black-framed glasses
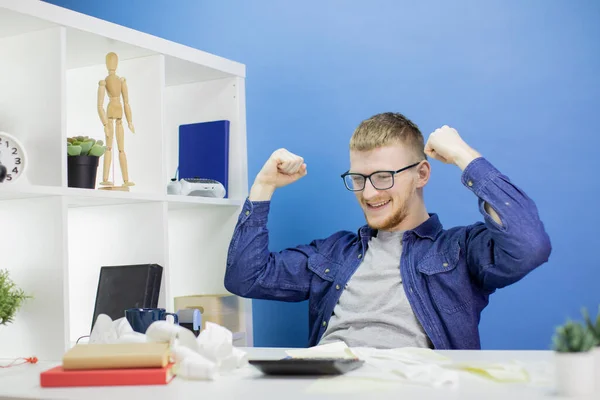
x,y
381,180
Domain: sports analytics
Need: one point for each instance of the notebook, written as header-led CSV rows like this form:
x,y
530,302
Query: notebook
x,y
59,377
116,355
126,286
204,151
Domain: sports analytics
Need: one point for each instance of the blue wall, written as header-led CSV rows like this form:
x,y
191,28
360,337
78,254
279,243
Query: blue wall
x,y
519,80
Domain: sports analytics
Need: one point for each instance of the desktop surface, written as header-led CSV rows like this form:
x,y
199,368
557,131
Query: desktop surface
x,y
22,382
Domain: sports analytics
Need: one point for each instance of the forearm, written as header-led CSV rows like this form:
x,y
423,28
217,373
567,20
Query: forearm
x,y
513,242
260,192
464,158
100,103
128,113
253,270
247,260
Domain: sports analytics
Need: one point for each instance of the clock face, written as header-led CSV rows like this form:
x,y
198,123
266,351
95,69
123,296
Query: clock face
x,y
12,156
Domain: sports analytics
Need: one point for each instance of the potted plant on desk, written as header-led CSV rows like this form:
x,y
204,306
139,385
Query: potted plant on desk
x,y
11,298
573,344
595,329
83,154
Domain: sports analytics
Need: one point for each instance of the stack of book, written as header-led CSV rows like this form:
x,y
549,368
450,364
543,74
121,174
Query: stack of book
x,y
112,365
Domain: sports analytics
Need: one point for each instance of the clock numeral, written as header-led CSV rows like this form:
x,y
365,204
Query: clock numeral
x,y
9,177
18,160
15,170
7,144
14,150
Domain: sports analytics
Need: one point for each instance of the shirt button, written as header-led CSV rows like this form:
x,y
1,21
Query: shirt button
x,y
411,290
324,323
337,287
360,256
470,183
445,264
327,271
247,212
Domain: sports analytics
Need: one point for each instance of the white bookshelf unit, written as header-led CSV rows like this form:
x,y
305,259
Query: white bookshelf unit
x,y
53,238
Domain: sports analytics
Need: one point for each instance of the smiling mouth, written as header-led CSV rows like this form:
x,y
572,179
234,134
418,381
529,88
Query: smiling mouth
x,y
378,205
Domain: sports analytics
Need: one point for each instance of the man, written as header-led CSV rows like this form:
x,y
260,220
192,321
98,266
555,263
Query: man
x,y
402,279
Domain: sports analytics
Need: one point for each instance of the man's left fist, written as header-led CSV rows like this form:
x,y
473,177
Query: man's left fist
x,y
446,145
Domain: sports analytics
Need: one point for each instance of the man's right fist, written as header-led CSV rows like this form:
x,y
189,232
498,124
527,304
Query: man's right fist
x,y
281,169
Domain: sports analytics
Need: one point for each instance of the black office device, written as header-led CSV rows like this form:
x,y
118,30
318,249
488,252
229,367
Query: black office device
x,y
127,286
307,366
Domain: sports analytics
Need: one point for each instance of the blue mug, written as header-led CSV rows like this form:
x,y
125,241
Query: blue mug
x,y
141,318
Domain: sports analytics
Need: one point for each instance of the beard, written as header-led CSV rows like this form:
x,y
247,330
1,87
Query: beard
x,y
392,221
405,200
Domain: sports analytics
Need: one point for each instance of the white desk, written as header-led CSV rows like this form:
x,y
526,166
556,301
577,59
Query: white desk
x,y
22,382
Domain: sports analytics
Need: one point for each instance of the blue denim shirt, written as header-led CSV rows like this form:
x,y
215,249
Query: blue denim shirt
x,y
448,275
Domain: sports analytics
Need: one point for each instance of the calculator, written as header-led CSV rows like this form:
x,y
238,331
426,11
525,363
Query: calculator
x,y
307,366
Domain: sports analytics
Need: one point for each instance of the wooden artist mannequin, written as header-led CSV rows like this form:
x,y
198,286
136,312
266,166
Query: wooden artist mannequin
x,y
113,119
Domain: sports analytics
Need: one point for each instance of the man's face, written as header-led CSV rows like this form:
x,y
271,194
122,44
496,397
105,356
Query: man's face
x,y
386,209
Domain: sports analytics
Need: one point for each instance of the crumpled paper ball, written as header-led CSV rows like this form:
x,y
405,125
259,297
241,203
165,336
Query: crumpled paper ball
x,y
203,357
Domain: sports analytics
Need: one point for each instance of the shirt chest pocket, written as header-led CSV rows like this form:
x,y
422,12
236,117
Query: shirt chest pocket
x,y
323,267
324,272
447,279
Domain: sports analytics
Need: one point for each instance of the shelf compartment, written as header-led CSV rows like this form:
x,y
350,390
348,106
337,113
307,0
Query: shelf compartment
x,y
105,236
144,77
31,71
33,248
202,102
198,251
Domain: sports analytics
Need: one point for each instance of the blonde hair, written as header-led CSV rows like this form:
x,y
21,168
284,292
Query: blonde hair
x,y
385,129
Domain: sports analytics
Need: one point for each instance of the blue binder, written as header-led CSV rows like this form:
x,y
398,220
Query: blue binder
x,y
204,151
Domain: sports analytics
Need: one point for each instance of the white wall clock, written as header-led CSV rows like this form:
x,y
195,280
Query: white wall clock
x,y
13,157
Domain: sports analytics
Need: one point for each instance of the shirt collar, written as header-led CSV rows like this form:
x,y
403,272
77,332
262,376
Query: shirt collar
x,y
429,229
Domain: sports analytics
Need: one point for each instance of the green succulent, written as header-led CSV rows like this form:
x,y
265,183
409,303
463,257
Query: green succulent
x,y
85,146
594,328
11,298
573,337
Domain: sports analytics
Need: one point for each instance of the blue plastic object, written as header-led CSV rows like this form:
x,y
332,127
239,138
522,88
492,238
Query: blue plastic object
x,y
204,151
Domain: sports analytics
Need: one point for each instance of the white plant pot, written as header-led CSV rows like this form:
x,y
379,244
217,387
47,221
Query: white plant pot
x,y
596,352
575,373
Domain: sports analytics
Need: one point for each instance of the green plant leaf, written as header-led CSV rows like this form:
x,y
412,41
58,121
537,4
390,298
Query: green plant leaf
x,y
86,146
11,298
593,328
97,150
573,337
73,150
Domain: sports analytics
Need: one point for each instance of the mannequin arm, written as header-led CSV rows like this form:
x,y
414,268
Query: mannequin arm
x,y
101,93
125,92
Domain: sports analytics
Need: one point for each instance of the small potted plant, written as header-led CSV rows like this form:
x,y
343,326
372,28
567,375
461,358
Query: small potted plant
x,y
595,329
83,154
11,298
573,344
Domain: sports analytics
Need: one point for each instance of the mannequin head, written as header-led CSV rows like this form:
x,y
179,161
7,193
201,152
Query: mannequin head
x,y
112,60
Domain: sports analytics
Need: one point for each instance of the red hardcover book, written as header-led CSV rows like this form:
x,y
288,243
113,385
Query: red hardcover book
x,y
58,377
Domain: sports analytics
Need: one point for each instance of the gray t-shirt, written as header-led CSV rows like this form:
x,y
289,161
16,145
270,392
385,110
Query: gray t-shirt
x,y
373,310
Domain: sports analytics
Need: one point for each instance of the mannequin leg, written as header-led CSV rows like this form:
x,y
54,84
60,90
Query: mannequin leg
x,y
122,156
109,133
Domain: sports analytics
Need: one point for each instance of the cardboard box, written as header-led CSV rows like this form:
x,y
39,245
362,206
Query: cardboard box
x,y
219,309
